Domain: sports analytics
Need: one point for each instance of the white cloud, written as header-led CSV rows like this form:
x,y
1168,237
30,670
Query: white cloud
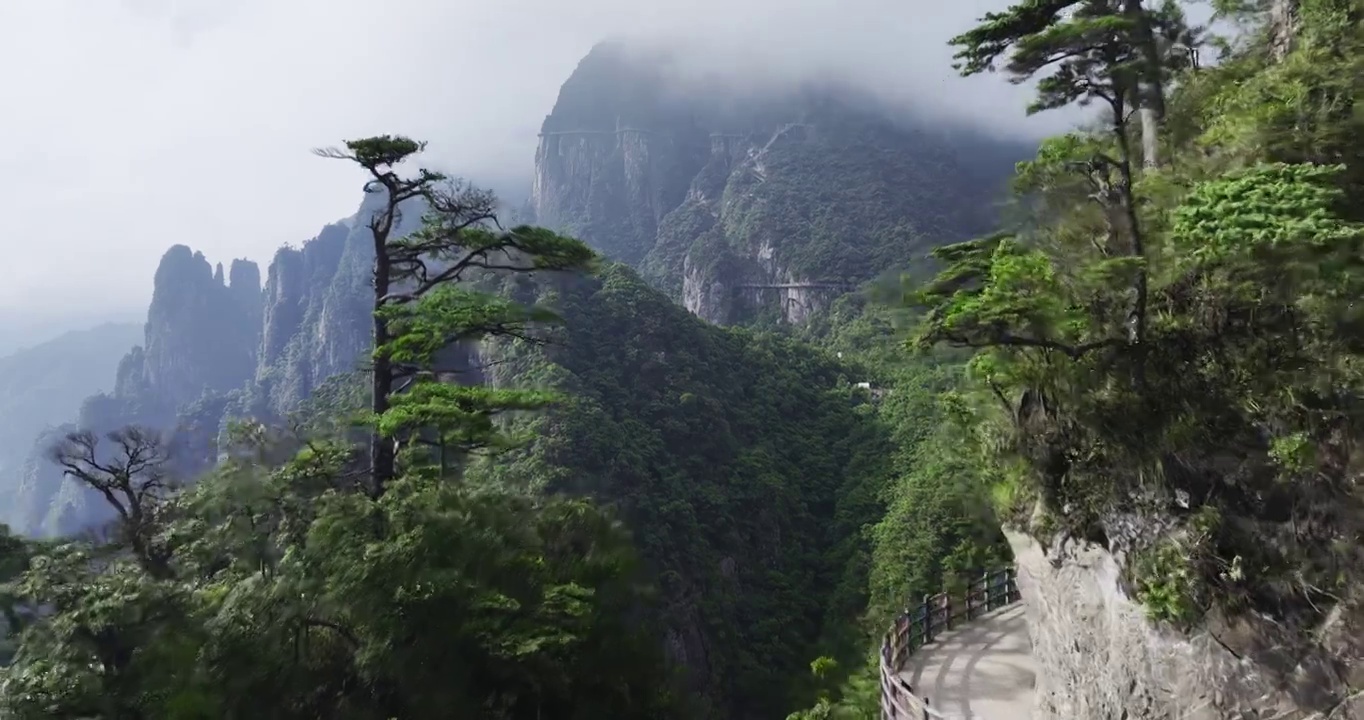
x,y
136,124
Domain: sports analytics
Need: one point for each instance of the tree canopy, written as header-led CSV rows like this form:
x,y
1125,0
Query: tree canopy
x,y
302,580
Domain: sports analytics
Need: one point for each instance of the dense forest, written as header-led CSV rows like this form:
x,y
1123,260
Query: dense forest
x,y
1163,342
553,493
612,489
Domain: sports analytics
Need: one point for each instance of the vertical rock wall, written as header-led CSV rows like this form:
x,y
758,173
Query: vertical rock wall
x,y
201,335
1099,657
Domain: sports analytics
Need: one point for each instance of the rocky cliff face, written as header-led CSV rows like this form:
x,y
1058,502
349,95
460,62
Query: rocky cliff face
x,y
317,311
201,334
201,340
300,284
217,347
739,206
1099,656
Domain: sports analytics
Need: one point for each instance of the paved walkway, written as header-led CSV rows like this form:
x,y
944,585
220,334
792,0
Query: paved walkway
x,y
982,671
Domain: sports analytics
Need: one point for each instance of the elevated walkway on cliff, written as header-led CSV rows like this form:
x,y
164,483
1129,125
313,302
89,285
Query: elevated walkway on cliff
x,y
967,657
983,669
839,286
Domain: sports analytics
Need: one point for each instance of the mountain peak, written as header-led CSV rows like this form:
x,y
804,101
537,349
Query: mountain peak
x,y
202,327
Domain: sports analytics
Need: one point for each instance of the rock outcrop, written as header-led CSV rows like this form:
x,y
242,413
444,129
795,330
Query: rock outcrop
x,y
743,206
219,347
1100,656
317,310
298,286
201,340
201,334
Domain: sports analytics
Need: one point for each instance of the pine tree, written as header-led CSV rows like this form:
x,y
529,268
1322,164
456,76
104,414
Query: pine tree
x,y
418,308
1096,50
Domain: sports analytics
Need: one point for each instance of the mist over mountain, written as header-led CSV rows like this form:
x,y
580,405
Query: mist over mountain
x,y
197,122
27,327
43,385
767,194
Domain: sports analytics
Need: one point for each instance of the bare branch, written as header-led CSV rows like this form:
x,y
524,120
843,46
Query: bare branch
x,y
132,481
345,634
333,153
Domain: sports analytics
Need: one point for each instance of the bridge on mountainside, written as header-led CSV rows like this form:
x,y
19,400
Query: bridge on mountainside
x,y
796,286
632,130
598,133
965,657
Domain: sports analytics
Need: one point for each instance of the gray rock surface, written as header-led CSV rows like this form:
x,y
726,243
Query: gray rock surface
x,y
1099,657
744,205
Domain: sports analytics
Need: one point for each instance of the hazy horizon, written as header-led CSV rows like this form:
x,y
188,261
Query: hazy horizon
x,y
154,122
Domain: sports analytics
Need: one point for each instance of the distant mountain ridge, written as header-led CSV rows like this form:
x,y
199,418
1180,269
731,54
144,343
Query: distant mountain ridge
x,y
44,385
21,329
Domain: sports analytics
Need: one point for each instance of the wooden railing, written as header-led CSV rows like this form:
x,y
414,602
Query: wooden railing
x,y
919,625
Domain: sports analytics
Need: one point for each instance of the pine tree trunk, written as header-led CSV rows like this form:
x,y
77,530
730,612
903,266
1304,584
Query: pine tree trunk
x,y
1136,322
381,456
1150,85
1283,27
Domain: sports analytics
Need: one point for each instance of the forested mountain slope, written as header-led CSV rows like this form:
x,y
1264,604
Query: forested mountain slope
x,y
745,465
741,461
1164,387
1151,374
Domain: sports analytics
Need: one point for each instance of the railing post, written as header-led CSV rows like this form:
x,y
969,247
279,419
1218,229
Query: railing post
x,y
926,609
985,587
970,601
898,700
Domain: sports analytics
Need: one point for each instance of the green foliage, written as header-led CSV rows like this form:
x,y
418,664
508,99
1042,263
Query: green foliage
x,y
14,558
1168,574
473,604
1093,51
1167,585
450,314
1194,361
939,530
1019,291
463,416
731,453
297,582
925,519
384,151
859,698
1263,209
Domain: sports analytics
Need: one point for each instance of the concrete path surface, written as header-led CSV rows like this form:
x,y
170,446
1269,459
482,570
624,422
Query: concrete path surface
x,y
981,671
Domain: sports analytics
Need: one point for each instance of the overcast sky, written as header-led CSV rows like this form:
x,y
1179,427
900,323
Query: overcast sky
x,y
131,125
